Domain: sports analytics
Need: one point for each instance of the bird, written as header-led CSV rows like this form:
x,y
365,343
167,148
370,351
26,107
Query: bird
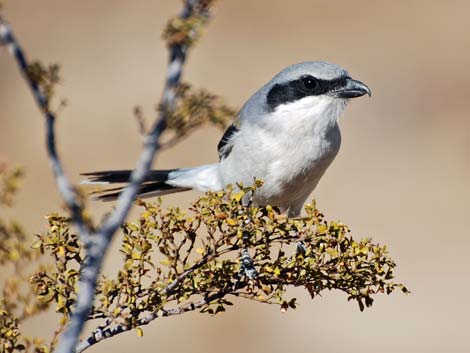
x,y
286,135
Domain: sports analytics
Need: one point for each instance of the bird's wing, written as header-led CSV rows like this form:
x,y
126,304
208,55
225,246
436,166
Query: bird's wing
x,y
226,142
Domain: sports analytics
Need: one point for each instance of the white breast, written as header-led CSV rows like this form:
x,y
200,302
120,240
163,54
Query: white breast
x,y
289,149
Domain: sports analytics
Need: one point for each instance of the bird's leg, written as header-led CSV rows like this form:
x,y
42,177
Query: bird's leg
x,y
247,267
294,214
300,247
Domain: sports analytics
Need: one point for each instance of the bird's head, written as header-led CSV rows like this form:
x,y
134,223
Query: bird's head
x,y
312,79
303,92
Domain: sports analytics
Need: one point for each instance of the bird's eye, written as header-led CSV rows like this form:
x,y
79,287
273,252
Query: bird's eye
x,y
310,82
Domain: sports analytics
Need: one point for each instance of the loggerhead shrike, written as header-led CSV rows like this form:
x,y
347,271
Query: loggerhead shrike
x,y
286,134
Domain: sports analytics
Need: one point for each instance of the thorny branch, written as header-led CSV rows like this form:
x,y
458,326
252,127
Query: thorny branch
x,y
98,242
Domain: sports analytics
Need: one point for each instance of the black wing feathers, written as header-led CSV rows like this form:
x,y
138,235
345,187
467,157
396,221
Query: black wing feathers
x,y
222,148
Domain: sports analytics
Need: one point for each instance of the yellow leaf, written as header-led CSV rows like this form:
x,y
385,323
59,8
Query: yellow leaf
x,y
139,331
231,222
136,255
36,245
61,251
332,252
238,196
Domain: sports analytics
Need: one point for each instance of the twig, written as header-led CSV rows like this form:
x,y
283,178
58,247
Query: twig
x,y
108,333
139,117
65,188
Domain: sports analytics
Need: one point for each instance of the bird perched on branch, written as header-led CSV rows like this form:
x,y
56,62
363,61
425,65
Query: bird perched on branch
x,y
286,134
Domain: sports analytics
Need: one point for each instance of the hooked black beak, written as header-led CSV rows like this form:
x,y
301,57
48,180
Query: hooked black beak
x,y
352,89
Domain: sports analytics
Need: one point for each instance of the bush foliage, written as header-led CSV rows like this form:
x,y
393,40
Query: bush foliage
x,y
174,261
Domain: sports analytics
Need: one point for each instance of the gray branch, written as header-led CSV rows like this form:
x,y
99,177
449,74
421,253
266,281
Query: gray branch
x,y
65,188
96,244
101,335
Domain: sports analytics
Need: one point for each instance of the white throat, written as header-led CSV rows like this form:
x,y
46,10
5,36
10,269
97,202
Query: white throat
x,y
309,115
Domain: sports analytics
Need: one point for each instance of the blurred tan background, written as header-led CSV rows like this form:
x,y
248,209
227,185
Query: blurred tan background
x,y
402,175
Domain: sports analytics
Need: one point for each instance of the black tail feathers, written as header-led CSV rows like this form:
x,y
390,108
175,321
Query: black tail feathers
x,y
153,185
122,176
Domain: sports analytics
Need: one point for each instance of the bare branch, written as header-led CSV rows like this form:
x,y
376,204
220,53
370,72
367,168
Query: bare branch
x,y
66,190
